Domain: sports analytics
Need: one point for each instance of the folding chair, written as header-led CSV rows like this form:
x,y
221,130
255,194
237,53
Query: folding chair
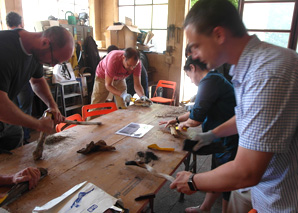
x,y
165,84
62,126
98,109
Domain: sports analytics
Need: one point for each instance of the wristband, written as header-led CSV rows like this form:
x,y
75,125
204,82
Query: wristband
x,y
177,120
191,183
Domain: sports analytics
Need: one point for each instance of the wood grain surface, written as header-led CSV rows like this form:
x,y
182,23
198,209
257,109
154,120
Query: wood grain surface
x,y
107,170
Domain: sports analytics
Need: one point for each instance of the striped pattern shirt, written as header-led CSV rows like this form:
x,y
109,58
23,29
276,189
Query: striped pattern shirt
x,y
266,88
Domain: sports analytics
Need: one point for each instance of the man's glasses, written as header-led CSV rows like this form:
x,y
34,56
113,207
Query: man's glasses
x,y
132,66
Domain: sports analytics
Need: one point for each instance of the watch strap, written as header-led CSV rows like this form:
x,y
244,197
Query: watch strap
x,y
191,183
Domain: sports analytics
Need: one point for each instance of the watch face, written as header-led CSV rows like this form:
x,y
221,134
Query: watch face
x,y
191,186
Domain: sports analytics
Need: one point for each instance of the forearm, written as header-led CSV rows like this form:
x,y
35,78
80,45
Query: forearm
x,y
11,114
42,90
139,90
226,129
192,123
183,117
113,90
246,170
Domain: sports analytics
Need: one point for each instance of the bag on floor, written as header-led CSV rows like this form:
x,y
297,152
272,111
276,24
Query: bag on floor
x,y
63,73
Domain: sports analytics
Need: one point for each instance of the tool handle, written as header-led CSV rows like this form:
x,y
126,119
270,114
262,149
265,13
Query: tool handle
x,y
167,149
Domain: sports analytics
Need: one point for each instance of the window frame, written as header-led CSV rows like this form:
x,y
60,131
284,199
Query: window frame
x,y
293,32
134,5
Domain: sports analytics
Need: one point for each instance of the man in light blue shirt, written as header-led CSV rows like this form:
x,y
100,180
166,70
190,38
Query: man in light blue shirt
x,y
265,78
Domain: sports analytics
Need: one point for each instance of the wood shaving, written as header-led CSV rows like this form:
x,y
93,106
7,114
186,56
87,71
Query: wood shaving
x,y
52,139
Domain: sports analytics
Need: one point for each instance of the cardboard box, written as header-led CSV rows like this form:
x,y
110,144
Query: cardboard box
x,y
122,36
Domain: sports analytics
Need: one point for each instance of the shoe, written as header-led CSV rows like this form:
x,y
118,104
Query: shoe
x,y
195,209
25,142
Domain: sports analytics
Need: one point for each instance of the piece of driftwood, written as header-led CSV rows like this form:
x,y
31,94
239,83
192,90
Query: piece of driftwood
x,y
37,154
145,103
82,122
95,147
17,190
173,131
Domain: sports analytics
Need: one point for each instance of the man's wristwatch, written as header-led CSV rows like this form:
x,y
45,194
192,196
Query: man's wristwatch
x,y
177,120
191,183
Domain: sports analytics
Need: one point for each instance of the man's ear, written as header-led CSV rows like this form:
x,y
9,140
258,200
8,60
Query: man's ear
x,y
45,42
192,67
219,34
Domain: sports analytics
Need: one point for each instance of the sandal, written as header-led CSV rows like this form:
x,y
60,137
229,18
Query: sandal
x,y
195,209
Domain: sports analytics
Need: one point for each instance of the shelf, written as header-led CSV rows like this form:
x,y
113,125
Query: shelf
x,y
73,107
71,95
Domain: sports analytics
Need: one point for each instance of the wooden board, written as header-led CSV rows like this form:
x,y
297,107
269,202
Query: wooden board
x,y
106,170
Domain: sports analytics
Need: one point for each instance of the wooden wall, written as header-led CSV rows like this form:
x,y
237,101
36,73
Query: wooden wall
x,y
104,12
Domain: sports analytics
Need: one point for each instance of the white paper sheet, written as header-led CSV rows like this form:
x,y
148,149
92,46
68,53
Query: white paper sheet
x,y
135,130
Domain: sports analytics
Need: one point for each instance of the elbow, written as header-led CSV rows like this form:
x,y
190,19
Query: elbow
x,y
248,179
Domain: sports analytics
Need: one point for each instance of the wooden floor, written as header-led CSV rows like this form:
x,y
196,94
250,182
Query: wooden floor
x,y
167,200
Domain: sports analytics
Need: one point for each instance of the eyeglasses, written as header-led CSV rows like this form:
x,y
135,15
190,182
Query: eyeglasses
x,y
131,66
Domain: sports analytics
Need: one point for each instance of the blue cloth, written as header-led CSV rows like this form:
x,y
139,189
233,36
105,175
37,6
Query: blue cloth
x,y
214,105
144,82
24,101
266,87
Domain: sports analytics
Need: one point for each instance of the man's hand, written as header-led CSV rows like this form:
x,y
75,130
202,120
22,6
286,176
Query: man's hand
x,y
126,97
145,98
46,124
57,116
29,174
181,184
203,139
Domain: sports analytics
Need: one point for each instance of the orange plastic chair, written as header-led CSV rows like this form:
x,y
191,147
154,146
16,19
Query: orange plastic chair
x,y
62,126
98,109
165,84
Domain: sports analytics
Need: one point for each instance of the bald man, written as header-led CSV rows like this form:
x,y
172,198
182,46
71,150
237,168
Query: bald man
x,y
22,55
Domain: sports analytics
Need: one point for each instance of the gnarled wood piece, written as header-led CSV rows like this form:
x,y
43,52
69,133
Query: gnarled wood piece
x,y
37,154
173,131
95,147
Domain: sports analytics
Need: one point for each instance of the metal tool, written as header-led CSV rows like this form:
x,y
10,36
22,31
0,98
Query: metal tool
x,y
150,169
82,122
37,154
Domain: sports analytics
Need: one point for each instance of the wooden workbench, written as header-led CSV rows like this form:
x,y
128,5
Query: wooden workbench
x,y
107,170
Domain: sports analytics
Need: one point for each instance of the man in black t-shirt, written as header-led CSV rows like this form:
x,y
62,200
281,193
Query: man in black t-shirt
x,y
22,54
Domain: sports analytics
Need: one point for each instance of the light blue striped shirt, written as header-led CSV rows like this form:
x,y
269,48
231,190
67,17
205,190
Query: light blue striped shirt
x,y
266,88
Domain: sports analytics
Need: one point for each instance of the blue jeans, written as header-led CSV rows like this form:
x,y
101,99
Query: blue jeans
x,y
24,101
11,136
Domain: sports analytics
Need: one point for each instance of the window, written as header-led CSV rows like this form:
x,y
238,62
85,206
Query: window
x,y
272,21
148,15
45,8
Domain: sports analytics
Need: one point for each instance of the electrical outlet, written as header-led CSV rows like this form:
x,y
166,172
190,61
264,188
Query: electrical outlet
x,y
169,59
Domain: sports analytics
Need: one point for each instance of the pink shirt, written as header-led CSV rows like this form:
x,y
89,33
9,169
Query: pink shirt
x,y
112,65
